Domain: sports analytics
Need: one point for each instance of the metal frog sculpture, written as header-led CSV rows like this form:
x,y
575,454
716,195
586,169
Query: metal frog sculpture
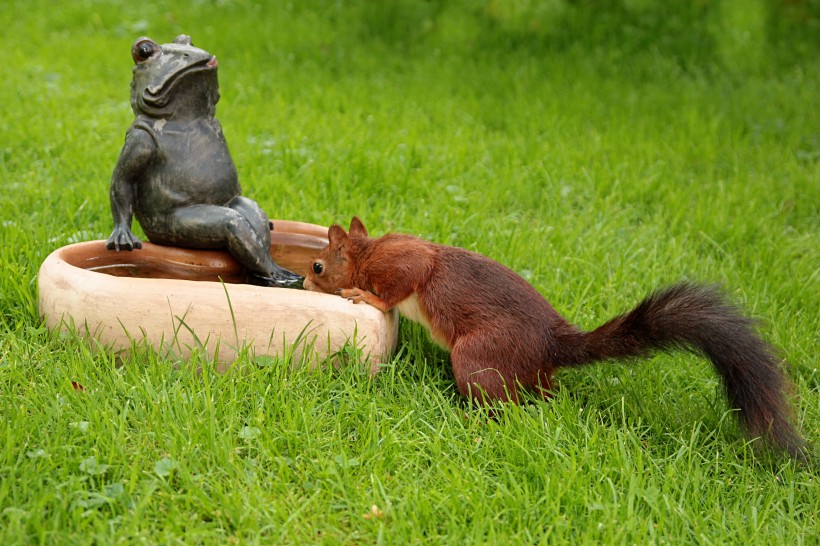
x,y
175,172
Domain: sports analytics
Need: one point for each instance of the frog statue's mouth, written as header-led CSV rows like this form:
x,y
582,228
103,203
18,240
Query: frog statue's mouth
x,y
160,93
167,75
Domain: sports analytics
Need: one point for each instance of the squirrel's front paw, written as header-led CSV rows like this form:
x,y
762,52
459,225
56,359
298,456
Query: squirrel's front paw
x,y
356,295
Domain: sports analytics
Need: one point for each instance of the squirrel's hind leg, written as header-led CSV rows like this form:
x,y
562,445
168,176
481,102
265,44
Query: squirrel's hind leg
x,y
480,373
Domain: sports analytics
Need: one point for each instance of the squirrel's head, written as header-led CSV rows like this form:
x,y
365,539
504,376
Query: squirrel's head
x,y
333,269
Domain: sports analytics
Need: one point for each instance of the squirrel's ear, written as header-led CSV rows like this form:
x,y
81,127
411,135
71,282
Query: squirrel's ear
x,y
336,235
357,227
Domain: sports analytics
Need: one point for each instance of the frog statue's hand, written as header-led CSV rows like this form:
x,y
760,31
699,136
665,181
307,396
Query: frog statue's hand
x,y
122,239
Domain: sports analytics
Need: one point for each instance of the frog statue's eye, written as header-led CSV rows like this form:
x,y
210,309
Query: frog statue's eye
x,y
143,50
318,268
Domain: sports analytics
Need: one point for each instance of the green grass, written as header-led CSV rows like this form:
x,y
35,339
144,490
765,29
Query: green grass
x,y
600,156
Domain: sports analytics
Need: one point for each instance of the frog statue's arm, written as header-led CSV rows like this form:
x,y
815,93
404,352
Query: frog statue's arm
x,y
137,154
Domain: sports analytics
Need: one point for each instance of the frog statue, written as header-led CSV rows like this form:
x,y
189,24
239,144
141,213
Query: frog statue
x,y
175,172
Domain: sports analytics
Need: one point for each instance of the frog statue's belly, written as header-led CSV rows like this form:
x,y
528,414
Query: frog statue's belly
x,y
192,166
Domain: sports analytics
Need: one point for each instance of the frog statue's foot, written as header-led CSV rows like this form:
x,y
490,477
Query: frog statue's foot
x,y
281,279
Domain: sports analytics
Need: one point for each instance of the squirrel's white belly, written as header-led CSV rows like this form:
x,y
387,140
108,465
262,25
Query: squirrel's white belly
x,y
410,309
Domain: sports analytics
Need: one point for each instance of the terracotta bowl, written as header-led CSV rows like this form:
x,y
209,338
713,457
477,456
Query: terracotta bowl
x,y
177,300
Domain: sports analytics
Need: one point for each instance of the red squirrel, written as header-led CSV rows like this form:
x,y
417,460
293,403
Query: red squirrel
x,y
503,336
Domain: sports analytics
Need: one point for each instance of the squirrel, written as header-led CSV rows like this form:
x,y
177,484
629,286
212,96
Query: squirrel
x,y
504,336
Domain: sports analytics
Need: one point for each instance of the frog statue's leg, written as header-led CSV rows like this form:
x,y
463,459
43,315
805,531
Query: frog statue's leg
x,y
261,225
240,226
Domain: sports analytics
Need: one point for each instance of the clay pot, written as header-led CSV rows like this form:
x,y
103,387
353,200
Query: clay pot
x,y
177,300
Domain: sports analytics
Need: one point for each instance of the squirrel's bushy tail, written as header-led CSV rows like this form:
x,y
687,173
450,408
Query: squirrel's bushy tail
x,y
698,318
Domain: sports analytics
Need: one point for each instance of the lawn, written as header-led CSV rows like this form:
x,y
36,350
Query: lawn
x,y
600,149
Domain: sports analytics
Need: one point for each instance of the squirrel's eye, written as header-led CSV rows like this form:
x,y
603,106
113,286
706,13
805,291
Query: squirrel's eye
x,y
143,50
318,268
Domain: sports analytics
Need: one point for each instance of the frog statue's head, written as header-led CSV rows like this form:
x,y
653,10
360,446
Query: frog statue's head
x,y
173,80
